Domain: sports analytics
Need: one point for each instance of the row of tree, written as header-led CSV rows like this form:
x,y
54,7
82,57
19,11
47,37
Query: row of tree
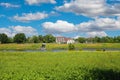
x,y
96,39
21,38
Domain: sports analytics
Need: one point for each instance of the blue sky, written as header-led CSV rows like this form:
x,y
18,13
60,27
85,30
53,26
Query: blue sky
x,y
70,18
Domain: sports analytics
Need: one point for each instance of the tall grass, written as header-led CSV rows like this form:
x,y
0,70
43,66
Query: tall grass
x,y
59,65
50,46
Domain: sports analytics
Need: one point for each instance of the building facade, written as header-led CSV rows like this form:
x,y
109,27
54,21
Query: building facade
x,y
64,40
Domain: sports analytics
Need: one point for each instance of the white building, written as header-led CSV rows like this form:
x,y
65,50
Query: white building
x,y
71,41
64,40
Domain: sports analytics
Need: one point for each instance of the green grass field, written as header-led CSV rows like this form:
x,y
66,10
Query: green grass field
x,y
50,46
69,65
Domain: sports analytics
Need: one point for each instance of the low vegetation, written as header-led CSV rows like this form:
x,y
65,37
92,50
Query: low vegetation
x,y
60,66
52,46
71,47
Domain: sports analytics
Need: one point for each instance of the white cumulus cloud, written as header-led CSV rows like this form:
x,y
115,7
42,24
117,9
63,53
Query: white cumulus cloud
x,y
28,30
99,24
30,16
12,30
32,2
58,27
99,33
90,8
6,31
91,28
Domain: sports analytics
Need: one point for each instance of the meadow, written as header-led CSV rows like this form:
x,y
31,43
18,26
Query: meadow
x,y
51,46
67,65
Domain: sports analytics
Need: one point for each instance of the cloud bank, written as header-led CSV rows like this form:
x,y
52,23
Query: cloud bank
x,y
33,2
30,16
12,30
91,28
91,8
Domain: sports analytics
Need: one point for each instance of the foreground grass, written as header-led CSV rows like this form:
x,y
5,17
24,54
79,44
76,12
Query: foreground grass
x,y
50,46
60,65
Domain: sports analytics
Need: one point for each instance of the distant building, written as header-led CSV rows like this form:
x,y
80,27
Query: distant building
x,y
70,41
64,40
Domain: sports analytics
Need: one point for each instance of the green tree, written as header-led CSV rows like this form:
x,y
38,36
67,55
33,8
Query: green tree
x,y
40,37
10,40
89,40
20,38
49,38
3,38
28,39
35,39
118,39
81,40
96,39
107,39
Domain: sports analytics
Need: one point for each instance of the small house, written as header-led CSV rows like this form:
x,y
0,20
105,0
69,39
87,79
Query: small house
x,y
64,40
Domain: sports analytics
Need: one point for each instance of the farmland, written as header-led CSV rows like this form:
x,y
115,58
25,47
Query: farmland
x,y
68,65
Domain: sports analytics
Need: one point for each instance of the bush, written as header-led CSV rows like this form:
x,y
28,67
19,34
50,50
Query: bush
x,y
98,49
71,47
80,49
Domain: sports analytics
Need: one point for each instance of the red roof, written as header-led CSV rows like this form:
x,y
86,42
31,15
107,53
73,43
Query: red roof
x,y
63,39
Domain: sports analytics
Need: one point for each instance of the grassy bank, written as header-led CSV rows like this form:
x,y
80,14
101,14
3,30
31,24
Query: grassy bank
x,y
51,46
59,66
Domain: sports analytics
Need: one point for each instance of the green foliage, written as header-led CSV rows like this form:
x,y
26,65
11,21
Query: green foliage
x,y
71,47
59,66
40,37
117,39
10,40
81,40
49,38
97,39
98,49
3,38
107,39
34,39
20,38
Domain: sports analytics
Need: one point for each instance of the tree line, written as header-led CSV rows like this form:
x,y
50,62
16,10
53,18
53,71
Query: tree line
x,y
21,38
97,39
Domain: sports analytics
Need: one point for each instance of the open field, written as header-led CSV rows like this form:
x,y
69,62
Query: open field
x,y
69,65
50,46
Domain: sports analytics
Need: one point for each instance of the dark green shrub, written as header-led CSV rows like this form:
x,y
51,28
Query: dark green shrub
x,y
71,47
98,49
